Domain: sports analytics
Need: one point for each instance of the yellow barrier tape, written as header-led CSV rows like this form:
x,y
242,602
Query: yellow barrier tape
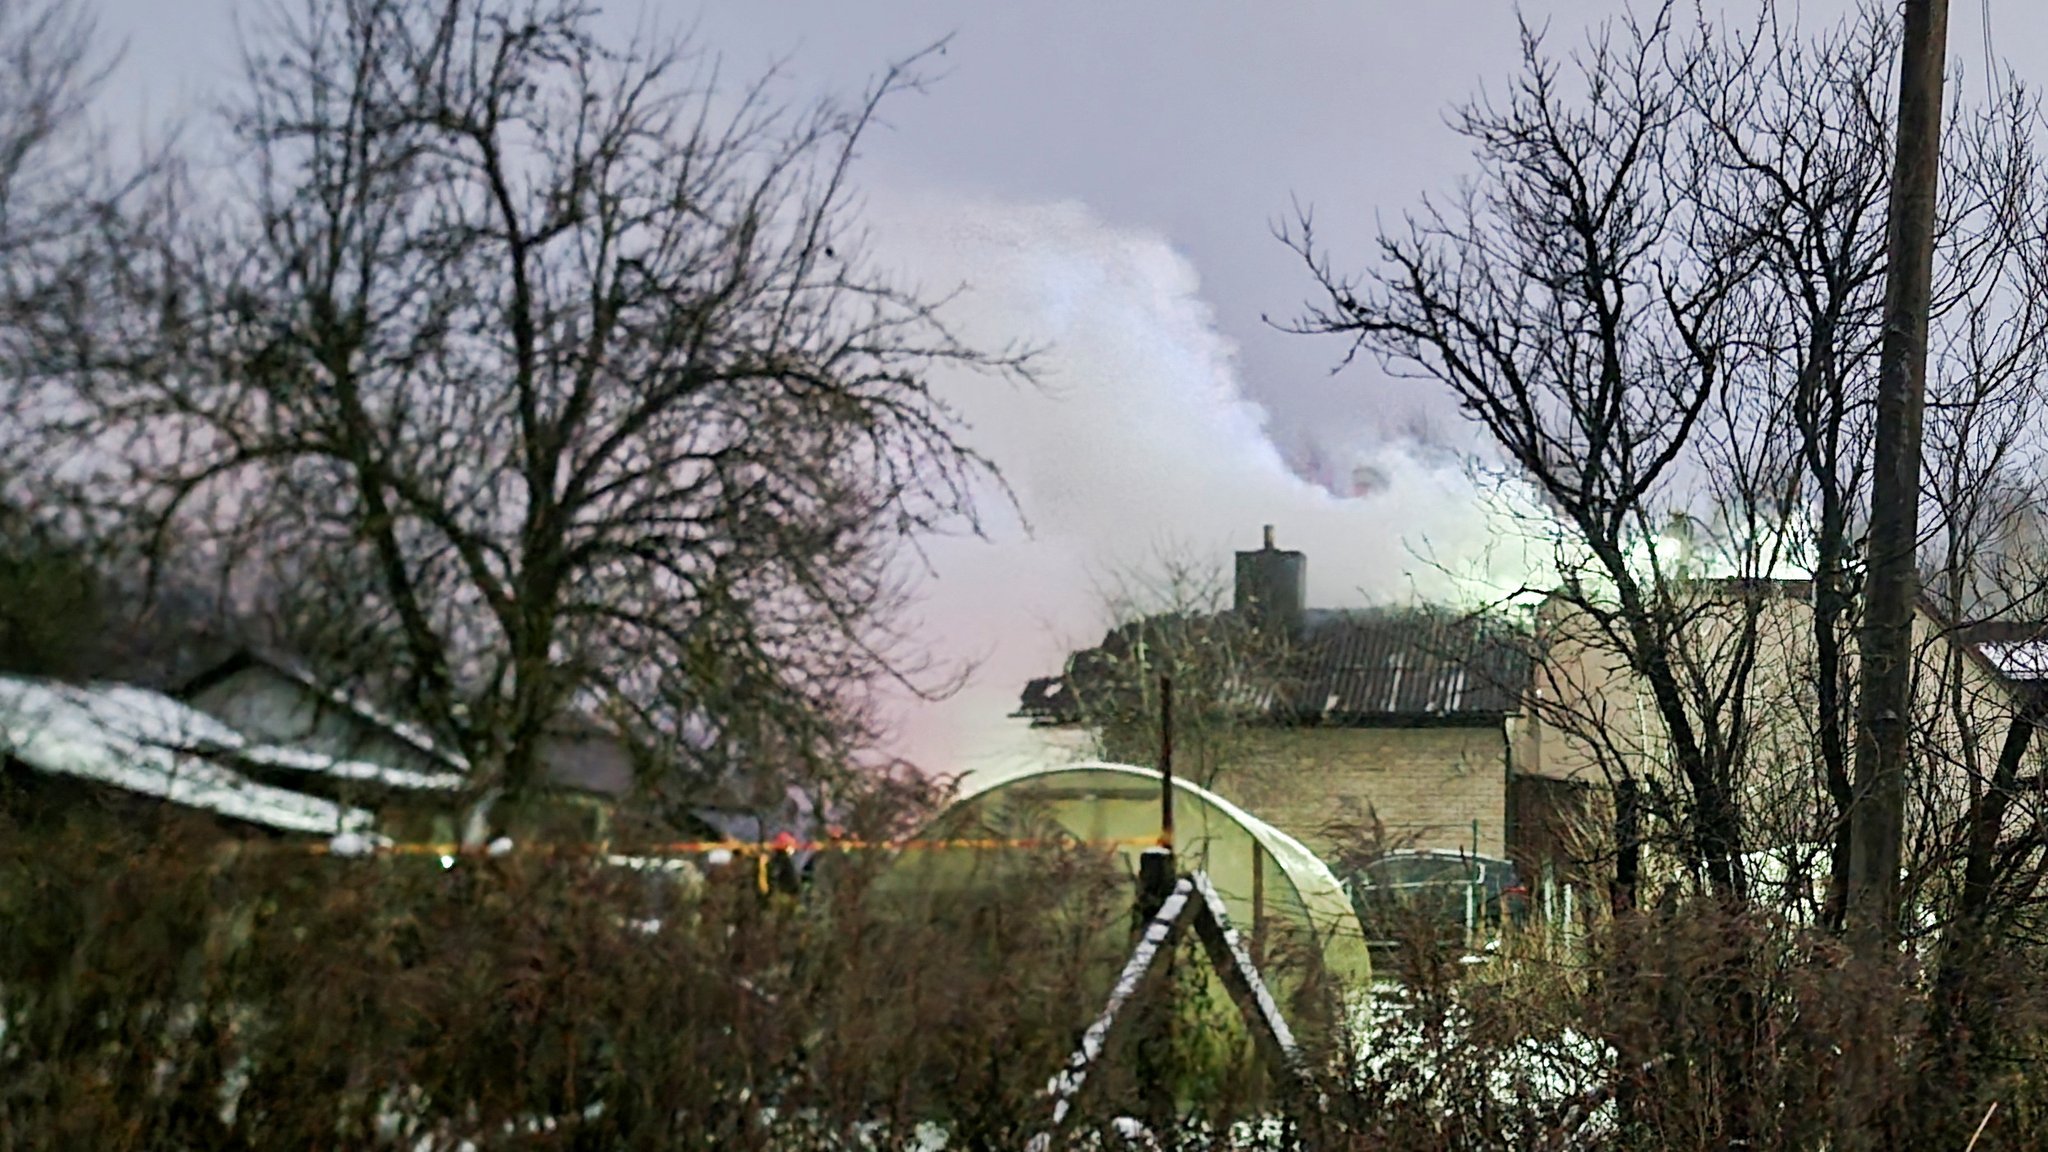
x,y
736,847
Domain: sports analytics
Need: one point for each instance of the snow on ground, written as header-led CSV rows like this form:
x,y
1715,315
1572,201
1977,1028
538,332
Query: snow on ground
x,y
1394,1040
1538,1075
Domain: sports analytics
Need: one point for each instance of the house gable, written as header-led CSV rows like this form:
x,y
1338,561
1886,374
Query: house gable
x,y
276,702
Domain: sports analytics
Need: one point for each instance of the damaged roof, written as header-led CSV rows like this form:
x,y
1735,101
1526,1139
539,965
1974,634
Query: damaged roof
x,y
1358,667
1410,662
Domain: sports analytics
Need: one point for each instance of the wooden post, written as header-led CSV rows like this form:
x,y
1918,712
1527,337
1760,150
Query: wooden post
x,y
1156,870
1258,903
1186,900
1166,763
1156,936
1241,979
1158,880
1471,910
1891,589
1155,881
1155,1020
1628,853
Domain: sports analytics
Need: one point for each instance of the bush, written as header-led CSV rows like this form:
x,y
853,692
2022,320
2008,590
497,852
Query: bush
x,y
163,989
170,990
1688,1027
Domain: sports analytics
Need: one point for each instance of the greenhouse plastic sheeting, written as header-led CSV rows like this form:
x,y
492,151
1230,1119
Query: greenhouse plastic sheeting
x,y
1263,874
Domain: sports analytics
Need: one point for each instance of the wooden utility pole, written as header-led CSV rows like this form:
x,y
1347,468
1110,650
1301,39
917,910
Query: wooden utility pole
x,y
1877,813
1166,762
1892,584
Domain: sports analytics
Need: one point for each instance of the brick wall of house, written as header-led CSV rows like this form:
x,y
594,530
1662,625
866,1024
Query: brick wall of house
x,y
1426,786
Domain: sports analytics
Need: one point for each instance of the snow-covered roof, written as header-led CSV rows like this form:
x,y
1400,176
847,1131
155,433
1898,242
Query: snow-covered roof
x,y
149,744
2028,661
302,760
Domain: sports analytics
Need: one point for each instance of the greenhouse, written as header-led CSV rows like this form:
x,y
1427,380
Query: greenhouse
x,y
1276,890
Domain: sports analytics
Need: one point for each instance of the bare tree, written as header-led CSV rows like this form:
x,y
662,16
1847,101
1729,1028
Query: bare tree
x,y
1792,136
1974,829
1659,298
49,73
51,604
547,374
1546,296
48,79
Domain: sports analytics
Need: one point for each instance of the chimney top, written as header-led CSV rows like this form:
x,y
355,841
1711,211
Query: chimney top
x,y
1271,588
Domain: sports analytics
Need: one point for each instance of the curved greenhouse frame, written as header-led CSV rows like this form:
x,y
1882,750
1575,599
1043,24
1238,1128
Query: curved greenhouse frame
x,y
1270,882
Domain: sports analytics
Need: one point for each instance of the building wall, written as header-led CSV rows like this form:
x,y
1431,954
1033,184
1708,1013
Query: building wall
x,y
1427,787
588,762
1554,826
1590,713
1595,715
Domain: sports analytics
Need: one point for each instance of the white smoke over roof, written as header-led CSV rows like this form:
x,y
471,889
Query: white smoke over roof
x,y
1141,439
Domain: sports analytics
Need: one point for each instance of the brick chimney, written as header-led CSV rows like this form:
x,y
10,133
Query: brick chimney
x,y
1272,588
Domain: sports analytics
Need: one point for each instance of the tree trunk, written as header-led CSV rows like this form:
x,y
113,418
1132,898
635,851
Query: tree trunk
x,y
1960,1019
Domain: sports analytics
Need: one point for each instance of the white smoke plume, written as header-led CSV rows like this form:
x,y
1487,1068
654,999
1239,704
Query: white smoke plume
x,y
1140,439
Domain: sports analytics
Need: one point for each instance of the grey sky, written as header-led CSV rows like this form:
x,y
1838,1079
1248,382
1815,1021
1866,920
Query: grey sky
x,y
1200,121
1105,173
1195,120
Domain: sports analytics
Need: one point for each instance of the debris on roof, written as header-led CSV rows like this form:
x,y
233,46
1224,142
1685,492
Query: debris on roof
x,y
1396,662
1347,666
